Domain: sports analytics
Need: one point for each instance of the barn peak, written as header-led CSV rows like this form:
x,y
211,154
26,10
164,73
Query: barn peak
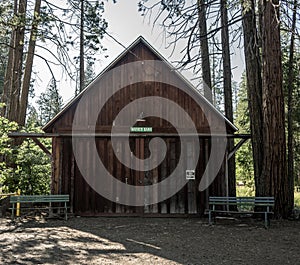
x,y
139,50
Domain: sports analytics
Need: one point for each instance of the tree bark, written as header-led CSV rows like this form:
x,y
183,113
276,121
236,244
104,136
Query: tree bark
x,y
254,91
227,91
81,55
6,95
28,67
205,63
16,75
274,159
290,87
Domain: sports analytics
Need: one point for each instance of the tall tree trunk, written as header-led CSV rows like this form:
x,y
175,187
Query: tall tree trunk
x,y
6,94
29,62
227,91
290,87
205,63
16,76
254,90
81,55
274,160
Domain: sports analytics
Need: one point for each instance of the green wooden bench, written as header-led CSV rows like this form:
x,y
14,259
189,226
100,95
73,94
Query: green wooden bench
x,y
222,205
45,199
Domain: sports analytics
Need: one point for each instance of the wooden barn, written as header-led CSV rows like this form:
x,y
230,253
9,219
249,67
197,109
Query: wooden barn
x,y
67,176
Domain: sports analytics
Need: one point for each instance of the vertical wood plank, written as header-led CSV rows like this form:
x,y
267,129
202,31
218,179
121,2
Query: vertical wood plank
x,y
163,175
118,176
72,183
172,158
192,208
111,170
60,168
54,166
155,178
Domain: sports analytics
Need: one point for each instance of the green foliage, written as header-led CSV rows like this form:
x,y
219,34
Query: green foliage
x,y
94,26
89,74
50,103
24,167
297,200
245,191
58,24
244,160
33,171
249,191
5,142
32,117
6,149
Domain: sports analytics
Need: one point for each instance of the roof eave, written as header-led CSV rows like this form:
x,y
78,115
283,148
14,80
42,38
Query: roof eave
x,y
140,39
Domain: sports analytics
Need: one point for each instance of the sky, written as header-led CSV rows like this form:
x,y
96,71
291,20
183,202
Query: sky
x,y
125,24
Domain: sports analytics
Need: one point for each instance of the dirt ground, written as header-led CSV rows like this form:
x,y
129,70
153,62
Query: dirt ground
x,y
148,241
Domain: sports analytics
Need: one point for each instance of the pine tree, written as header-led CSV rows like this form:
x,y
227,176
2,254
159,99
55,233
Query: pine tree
x,y
30,23
50,103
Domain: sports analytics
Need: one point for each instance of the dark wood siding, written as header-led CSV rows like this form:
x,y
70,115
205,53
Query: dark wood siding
x,y
128,94
88,202
67,178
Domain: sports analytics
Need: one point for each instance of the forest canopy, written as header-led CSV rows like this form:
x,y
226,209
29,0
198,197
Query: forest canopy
x,y
264,104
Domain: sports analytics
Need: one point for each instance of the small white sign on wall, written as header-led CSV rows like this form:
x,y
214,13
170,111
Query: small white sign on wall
x,y
190,174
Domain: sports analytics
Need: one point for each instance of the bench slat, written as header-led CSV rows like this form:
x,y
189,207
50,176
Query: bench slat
x,y
57,198
266,202
260,201
39,198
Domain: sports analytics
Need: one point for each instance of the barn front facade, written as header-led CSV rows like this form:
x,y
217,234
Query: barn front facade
x,y
93,132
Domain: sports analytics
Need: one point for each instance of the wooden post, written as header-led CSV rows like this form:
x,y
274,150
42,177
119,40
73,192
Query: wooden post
x,y
72,184
226,177
18,204
192,207
60,169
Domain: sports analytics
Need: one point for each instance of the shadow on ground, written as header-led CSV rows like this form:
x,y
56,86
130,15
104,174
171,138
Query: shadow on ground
x,y
147,241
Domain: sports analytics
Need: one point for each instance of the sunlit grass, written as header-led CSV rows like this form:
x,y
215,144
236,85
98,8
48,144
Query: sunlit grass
x,y
242,191
297,200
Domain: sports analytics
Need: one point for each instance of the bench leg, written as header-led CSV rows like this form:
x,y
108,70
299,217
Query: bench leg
x,y
66,212
209,217
266,220
50,209
13,212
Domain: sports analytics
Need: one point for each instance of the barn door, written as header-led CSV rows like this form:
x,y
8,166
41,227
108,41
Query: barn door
x,y
155,174
142,177
159,172
185,200
137,175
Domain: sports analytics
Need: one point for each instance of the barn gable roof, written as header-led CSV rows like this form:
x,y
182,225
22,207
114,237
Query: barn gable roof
x,y
138,41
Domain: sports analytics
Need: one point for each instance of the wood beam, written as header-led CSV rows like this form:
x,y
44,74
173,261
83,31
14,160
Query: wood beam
x,y
89,134
37,141
234,150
